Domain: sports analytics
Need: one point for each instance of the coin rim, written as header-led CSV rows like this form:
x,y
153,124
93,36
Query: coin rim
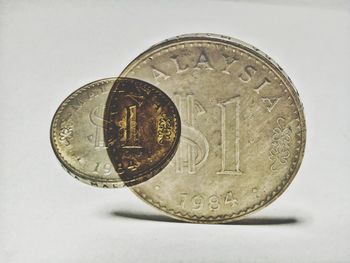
x,y
283,77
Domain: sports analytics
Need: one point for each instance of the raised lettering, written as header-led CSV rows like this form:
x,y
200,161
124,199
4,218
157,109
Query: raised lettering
x,y
229,61
265,83
203,62
247,74
159,75
271,102
177,64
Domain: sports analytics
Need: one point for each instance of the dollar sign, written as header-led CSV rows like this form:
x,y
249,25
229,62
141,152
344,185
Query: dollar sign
x,y
96,118
194,148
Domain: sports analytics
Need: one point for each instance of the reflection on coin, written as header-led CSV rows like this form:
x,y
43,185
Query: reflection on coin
x,y
141,130
77,135
243,128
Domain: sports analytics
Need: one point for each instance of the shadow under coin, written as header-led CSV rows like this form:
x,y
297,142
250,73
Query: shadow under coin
x,y
140,216
256,221
247,221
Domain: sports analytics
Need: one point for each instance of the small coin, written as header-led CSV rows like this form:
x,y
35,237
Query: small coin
x,y
243,128
141,129
115,132
77,135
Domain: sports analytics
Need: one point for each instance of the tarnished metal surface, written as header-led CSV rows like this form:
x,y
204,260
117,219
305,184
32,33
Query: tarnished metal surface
x,y
141,130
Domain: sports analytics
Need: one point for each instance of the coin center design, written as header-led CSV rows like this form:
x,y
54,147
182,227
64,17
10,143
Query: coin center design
x,y
243,130
142,129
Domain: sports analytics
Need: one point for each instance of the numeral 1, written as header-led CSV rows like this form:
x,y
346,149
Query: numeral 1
x,y
130,129
230,109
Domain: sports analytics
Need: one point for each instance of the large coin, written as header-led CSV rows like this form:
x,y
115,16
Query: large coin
x,y
243,128
141,129
77,135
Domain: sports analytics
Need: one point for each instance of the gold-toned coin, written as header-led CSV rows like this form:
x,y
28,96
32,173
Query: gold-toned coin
x,y
243,128
77,135
141,129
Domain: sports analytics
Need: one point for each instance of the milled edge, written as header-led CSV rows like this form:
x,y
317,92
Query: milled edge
x,y
275,68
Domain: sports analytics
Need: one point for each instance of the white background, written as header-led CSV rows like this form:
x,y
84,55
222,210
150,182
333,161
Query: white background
x,y
50,48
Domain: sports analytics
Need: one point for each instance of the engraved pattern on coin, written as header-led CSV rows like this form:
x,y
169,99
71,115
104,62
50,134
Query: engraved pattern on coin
x,y
281,138
164,129
96,119
229,95
66,134
194,148
141,129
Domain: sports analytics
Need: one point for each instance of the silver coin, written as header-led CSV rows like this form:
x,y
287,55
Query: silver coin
x,y
243,128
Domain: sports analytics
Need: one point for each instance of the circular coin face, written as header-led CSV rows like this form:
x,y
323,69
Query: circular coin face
x,y
77,135
243,128
141,129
